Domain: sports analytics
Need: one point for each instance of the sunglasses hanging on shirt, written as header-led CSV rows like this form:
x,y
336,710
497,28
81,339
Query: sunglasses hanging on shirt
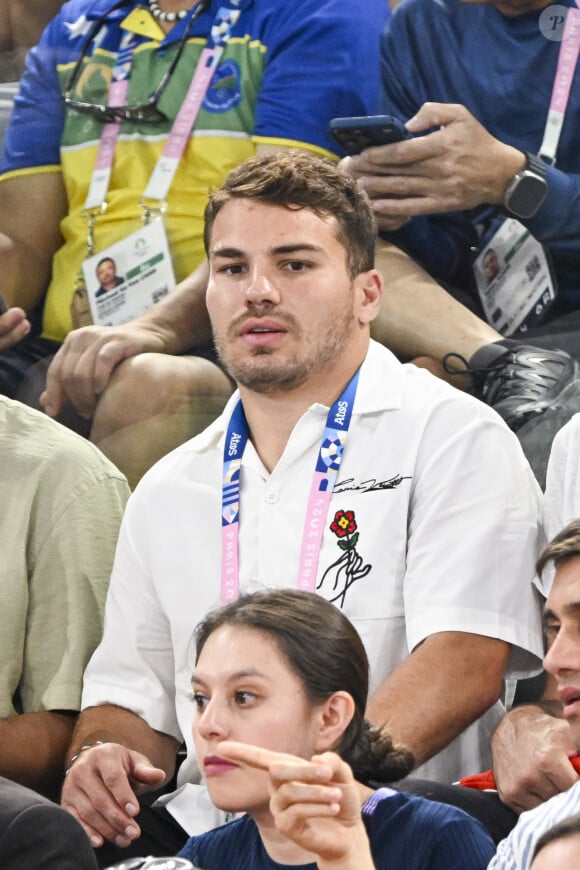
x,y
144,113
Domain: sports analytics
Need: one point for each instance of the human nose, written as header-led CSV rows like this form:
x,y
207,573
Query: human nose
x,y
212,721
563,654
261,288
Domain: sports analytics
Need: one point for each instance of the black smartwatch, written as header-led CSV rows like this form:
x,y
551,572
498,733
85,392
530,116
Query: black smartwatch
x,y
527,190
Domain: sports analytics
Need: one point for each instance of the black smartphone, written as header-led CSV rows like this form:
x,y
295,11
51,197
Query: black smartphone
x,y
3,306
356,134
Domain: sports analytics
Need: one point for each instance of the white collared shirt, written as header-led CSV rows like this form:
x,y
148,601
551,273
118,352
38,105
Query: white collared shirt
x,y
447,512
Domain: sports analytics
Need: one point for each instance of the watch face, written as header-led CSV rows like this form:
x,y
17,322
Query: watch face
x,y
526,195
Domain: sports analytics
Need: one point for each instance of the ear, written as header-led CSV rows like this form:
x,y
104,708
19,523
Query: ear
x,y
368,291
335,716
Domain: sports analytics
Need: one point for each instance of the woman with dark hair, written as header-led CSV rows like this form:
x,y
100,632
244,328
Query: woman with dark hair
x,y
280,689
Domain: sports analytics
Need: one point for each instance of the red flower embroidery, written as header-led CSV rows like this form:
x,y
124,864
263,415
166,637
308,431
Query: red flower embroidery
x,y
344,524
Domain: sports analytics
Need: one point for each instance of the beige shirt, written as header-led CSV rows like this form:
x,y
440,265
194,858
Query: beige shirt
x,y
61,503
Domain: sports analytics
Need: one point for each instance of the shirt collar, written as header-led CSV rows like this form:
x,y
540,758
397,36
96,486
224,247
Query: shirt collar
x,y
380,388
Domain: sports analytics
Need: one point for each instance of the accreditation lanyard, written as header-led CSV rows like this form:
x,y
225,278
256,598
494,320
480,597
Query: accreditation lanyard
x,y
95,203
567,61
166,166
327,465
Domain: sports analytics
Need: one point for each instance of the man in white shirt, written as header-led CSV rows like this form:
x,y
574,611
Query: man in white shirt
x,y
428,545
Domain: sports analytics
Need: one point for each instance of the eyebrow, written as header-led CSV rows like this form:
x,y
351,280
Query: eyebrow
x,y
238,675
232,253
572,609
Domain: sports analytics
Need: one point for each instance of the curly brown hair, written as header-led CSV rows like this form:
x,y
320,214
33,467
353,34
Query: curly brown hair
x,y
299,180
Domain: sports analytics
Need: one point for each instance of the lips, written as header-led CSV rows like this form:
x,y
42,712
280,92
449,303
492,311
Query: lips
x,y
215,765
262,326
570,697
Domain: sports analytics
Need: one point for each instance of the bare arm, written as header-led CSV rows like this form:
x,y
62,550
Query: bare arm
x,y
446,683
82,367
31,209
418,317
33,748
102,785
531,748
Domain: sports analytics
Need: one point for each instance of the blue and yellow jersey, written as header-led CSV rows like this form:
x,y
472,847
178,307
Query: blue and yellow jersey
x,y
288,68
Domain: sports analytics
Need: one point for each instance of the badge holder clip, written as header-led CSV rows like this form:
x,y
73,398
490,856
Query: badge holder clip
x,y
152,210
91,215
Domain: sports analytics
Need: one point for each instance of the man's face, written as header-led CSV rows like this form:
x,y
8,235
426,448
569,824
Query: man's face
x,y
490,264
562,626
283,306
106,273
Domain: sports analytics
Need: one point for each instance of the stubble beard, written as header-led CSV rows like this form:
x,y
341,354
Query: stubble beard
x,y
263,372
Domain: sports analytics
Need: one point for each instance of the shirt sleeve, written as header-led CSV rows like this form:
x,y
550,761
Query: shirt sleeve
x,y
558,218
134,664
34,134
70,571
439,242
450,839
516,851
322,62
562,495
494,503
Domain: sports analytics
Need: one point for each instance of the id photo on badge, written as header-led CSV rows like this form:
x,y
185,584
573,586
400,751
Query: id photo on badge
x,y
126,278
107,276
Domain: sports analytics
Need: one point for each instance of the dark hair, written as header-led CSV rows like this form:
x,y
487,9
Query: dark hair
x,y
566,828
105,260
564,546
297,181
324,650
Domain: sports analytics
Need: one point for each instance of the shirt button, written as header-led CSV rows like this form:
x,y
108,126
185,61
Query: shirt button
x,y
271,496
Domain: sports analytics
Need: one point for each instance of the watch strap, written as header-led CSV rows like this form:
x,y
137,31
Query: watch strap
x,y
536,164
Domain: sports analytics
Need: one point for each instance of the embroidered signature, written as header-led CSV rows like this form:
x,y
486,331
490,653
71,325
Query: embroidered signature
x,y
370,485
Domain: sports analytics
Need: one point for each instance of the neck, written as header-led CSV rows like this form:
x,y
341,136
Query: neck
x,y
279,847
176,5
172,8
271,417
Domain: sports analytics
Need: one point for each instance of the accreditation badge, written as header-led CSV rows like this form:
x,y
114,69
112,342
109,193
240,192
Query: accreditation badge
x,y
514,279
127,278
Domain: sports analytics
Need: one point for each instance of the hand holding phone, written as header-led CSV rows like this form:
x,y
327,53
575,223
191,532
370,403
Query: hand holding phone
x,y
356,134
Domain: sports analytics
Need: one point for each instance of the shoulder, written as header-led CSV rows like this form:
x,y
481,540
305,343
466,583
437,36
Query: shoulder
x,y
514,851
390,806
323,19
447,834
46,447
415,392
566,439
427,25
417,14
